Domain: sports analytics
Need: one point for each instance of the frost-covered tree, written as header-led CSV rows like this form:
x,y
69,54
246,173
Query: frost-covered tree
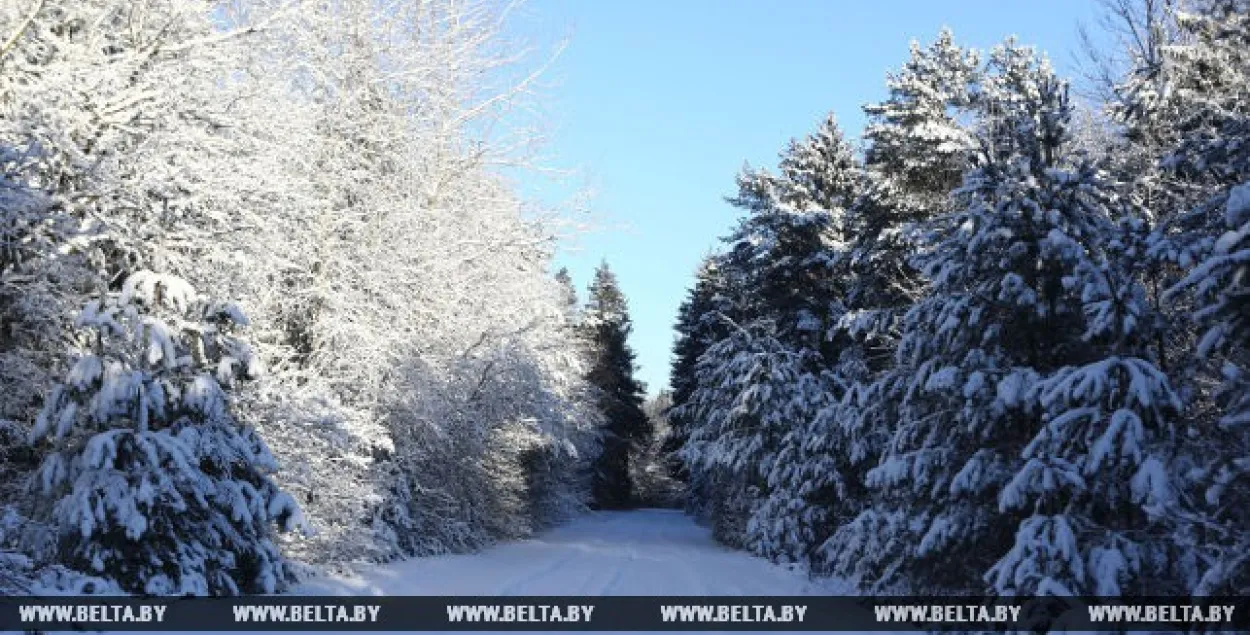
x,y
918,143
159,487
1210,239
111,128
103,111
754,392
569,291
271,152
651,467
702,319
1099,474
397,368
915,135
755,376
1002,313
620,396
1136,460
1032,384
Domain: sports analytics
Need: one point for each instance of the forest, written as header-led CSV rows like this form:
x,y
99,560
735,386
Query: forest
x,y
272,304
218,372
1002,344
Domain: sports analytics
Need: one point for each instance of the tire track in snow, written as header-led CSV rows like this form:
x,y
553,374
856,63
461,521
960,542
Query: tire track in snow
x,y
615,580
517,584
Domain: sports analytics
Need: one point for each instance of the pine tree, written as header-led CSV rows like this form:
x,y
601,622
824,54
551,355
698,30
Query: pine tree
x,y
915,135
1003,313
701,321
159,487
918,144
757,385
620,396
1097,474
1212,239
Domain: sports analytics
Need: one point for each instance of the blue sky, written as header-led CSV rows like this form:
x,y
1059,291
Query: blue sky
x,y
657,104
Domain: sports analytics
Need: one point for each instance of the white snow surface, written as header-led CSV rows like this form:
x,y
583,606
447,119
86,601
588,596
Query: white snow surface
x,y
643,552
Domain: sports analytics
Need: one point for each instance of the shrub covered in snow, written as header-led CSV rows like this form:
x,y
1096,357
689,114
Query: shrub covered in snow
x,y
159,487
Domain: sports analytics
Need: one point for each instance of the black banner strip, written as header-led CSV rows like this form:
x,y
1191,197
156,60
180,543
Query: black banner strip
x,y
621,613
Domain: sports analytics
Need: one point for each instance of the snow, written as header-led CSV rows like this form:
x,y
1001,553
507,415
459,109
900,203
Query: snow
x,y
1237,209
643,552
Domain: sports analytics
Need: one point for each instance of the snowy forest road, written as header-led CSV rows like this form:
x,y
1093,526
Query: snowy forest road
x,y
643,552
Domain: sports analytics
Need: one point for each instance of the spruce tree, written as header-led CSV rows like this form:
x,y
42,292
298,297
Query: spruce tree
x,y
701,321
760,383
1211,238
1011,278
568,292
607,326
158,486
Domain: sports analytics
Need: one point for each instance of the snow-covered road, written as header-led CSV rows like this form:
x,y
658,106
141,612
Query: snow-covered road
x,y
643,552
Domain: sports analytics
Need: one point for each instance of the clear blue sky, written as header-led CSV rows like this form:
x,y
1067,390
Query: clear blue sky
x,y
657,104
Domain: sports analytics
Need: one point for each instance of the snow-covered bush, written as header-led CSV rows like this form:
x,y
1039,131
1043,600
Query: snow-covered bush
x,y
159,488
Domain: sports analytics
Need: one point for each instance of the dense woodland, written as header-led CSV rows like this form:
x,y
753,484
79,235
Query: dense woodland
x,y
1003,343
268,305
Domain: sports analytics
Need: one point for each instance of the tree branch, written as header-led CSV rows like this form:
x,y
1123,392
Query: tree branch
x,y
21,29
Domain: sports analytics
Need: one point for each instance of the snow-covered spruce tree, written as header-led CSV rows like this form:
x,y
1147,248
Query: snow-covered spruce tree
x,y
160,489
1145,108
113,120
607,326
1000,315
815,483
915,135
101,105
1212,156
755,390
702,319
1098,478
572,306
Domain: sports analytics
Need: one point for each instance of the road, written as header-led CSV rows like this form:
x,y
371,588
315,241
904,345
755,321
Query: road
x,y
643,552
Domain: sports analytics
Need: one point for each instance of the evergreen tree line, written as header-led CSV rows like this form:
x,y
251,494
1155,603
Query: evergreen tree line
x,y
603,327
1003,345
266,301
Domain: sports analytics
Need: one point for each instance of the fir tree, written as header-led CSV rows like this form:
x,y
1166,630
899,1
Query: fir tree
x,y
607,326
757,387
701,321
1212,238
159,487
